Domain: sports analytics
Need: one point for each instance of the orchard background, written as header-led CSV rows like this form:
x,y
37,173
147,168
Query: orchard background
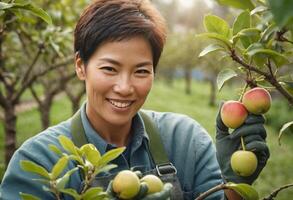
x,y
37,73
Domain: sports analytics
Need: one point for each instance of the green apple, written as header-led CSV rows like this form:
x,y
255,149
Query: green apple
x,y
126,184
243,163
153,182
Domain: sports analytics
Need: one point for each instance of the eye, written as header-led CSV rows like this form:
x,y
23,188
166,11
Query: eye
x,y
143,71
108,69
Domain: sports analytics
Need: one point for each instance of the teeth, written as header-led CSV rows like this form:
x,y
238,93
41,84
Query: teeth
x,y
120,104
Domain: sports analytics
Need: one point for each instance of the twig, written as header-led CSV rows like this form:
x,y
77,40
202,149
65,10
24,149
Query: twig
x,y
38,75
269,77
211,191
29,69
275,193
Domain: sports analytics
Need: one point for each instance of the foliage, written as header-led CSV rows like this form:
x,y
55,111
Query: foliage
x,y
89,161
260,41
163,98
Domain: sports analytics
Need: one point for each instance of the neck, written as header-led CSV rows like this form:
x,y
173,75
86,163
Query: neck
x,y
112,134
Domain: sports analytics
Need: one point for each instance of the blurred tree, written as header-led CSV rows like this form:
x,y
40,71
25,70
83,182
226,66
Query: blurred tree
x,y
29,49
75,95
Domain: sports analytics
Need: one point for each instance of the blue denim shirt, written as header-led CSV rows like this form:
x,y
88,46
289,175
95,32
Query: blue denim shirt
x,y
187,145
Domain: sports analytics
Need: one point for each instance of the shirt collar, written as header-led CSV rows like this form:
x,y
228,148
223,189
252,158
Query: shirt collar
x,y
137,130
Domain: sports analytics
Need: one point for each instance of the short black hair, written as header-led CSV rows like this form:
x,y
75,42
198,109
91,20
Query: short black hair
x,y
116,20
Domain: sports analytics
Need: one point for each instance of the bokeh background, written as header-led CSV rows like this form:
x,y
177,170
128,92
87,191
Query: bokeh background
x,y
184,83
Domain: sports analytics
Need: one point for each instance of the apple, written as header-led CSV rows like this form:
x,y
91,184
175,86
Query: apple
x,y
126,184
243,163
257,100
233,114
153,182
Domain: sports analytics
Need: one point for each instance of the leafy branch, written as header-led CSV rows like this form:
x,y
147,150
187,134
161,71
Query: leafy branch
x,y
88,160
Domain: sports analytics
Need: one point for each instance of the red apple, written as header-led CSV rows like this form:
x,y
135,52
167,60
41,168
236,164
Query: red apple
x,y
233,114
257,100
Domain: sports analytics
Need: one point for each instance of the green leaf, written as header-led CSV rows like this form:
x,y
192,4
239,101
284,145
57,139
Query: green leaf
x,y
215,24
106,168
251,35
67,144
61,182
4,6
284,127
43,181
224,76
30,7
59,167
209,49
243,4
91,154
110,155
217,37
259,9
244,190
30,166
94,193
268,33
278,58
55,149
288,86
72,193
241,22
36,11
282,11
25,196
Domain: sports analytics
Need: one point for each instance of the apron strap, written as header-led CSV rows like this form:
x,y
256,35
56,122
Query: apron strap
x,y
77,130
156,146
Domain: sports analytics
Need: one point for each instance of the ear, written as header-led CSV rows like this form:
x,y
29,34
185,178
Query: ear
x,y
79,67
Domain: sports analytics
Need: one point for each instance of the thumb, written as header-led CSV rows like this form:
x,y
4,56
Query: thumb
x,y
222,129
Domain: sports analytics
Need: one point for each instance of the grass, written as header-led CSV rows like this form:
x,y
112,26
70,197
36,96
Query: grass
x,y
278,171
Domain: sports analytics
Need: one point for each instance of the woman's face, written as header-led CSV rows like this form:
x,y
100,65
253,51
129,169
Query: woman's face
x,y
118,78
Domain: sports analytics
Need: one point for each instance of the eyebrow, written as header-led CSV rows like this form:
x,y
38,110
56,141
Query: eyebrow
x,y
115,62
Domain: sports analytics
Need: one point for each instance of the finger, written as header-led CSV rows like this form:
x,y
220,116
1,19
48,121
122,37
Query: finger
x,y
163,195
257,147
262,157
245,130
222,130
252,138
142,191
254,119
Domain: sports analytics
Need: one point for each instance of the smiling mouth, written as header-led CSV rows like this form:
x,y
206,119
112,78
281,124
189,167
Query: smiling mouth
x,y
120,104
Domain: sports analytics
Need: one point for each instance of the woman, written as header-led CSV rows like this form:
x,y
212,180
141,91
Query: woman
x,y
118,44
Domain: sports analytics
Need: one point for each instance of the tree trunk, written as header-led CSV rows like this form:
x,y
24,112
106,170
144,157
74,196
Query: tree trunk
x,y
74,106
45,108
170,77
188,80
10,131
45,116
212,101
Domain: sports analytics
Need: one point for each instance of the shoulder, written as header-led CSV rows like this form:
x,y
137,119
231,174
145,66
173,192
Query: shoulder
x,y
49,135
35,149
178,126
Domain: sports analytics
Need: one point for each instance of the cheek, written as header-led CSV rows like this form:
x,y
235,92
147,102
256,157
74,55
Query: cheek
x,y
144,87
98,85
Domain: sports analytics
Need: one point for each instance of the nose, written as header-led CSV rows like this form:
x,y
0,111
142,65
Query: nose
x,y
124,85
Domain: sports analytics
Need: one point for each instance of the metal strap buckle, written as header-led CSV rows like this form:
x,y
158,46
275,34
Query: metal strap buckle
x,y
166,168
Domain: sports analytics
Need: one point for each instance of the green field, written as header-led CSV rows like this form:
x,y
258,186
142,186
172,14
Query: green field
x,y
163,98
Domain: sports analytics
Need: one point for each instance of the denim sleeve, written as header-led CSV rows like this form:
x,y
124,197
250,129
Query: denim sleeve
x,y
16,180
190,148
